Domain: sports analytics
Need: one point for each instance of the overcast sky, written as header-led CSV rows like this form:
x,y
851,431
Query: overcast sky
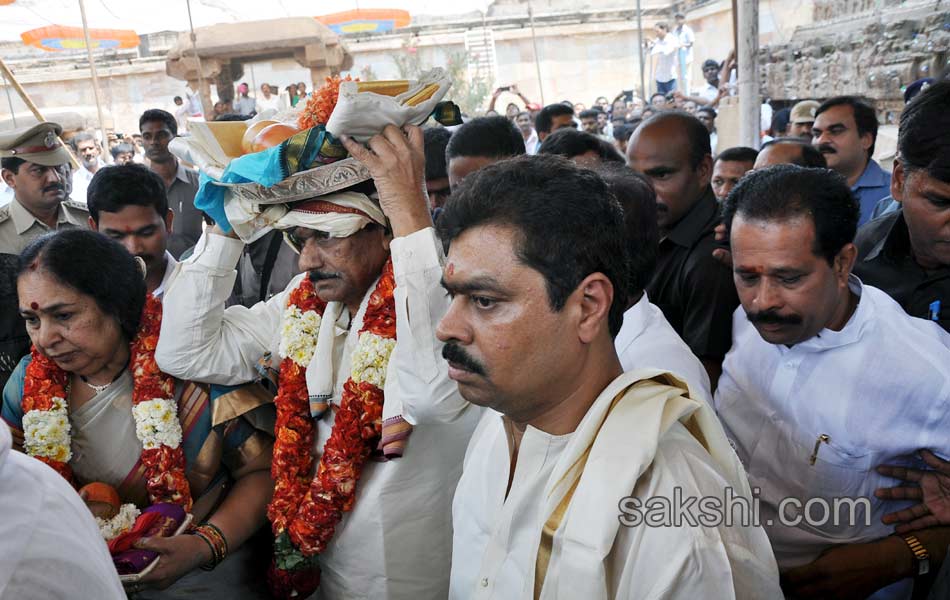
x,y
146,16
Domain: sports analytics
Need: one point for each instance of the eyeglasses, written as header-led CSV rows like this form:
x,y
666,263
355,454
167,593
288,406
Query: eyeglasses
x,y
298,241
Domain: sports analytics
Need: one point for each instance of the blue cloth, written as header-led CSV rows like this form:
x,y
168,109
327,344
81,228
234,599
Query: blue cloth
x,y
665,87
873,185
268,167
885,206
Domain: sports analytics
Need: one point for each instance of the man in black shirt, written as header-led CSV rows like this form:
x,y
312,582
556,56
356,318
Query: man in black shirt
x,y
907,253
695,291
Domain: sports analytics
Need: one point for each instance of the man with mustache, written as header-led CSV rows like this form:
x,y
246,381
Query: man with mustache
x,y
845,131
87,151
694,291
827,378
569,446
128,203
395,542
36,166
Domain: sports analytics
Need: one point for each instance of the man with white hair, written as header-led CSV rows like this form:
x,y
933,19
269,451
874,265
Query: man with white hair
x,y
360,369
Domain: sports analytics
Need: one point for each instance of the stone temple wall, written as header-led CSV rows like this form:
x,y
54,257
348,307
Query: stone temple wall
x,y
870,48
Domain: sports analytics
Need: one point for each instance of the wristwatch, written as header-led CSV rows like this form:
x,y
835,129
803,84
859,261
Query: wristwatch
x,y
920,554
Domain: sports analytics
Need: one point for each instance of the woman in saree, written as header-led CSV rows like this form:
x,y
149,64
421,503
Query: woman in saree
x,y
124,423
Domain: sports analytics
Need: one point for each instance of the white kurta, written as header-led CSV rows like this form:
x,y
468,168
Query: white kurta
x,y
396,543
50,546
646,339
642,450
879,389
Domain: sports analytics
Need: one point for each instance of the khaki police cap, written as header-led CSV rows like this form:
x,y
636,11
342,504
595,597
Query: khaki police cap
x,y
804,112
36,144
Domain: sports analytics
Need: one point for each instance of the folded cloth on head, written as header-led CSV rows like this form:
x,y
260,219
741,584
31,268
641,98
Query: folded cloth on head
x,y
361,112
339,215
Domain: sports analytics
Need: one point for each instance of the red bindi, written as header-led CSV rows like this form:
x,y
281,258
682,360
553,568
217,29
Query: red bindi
x,y
34,306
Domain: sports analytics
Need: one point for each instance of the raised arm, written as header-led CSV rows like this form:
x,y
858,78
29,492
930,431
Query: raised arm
x,y
200,339
417,372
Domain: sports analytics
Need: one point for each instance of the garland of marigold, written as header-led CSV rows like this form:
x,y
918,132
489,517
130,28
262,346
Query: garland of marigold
x,y
46,425
304,513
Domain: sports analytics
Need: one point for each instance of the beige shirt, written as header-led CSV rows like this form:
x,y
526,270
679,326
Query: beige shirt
x,y
18,227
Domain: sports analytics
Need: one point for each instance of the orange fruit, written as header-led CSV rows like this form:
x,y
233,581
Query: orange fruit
x,y
247,141
273,135
103,500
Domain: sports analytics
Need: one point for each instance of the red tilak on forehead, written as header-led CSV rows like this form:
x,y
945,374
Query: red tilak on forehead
x,y
34,306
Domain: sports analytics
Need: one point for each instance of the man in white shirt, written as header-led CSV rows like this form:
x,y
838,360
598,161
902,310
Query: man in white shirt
x,y
267,100
646,338
827,379
526,126
50,546
664,49
570,446
686,37
128,203
396,540
87,151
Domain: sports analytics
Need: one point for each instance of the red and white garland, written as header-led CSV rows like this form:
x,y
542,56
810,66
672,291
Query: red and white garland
x,y
46,429
305,511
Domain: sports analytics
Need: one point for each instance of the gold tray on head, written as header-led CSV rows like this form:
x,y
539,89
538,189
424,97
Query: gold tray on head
x,y
318,181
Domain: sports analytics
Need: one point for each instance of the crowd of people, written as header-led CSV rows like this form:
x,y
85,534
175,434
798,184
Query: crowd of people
x,y
567,352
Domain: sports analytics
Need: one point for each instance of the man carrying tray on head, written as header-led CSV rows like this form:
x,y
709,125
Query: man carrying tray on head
x,y
360,369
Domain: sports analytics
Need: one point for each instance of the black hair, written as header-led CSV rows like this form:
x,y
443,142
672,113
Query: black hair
x,y
115,187
121,148
493,137
589,113
12,163
545,119
923,139
697,136
865,117
570,225
709,63
232,117
707,109
638,200
623,132
178,98
738,154
679,16
655,94
157,114
94,266
569,143
810,156
780,120
663,25
784,192
436,139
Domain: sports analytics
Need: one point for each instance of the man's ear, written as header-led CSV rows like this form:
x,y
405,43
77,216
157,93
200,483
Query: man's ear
x,y
704,169
8,178
844,262
169,220
594,297
92,224
898,180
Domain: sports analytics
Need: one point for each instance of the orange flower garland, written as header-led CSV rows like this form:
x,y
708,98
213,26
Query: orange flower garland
x,y
304,520
46,386
321,103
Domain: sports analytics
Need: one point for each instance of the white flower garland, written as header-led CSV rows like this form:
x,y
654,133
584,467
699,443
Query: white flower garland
x,y
371,358
119,524
156,423
298,341
298,335
47,432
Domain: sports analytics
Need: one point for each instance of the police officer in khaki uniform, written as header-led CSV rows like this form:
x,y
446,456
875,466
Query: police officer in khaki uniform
x,y
37,167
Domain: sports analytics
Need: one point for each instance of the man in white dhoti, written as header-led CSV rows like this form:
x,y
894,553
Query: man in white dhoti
x,y
371,278
571,448
827,379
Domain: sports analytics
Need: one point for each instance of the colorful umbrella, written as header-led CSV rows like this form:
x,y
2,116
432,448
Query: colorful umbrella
x,y
366,20
61,37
